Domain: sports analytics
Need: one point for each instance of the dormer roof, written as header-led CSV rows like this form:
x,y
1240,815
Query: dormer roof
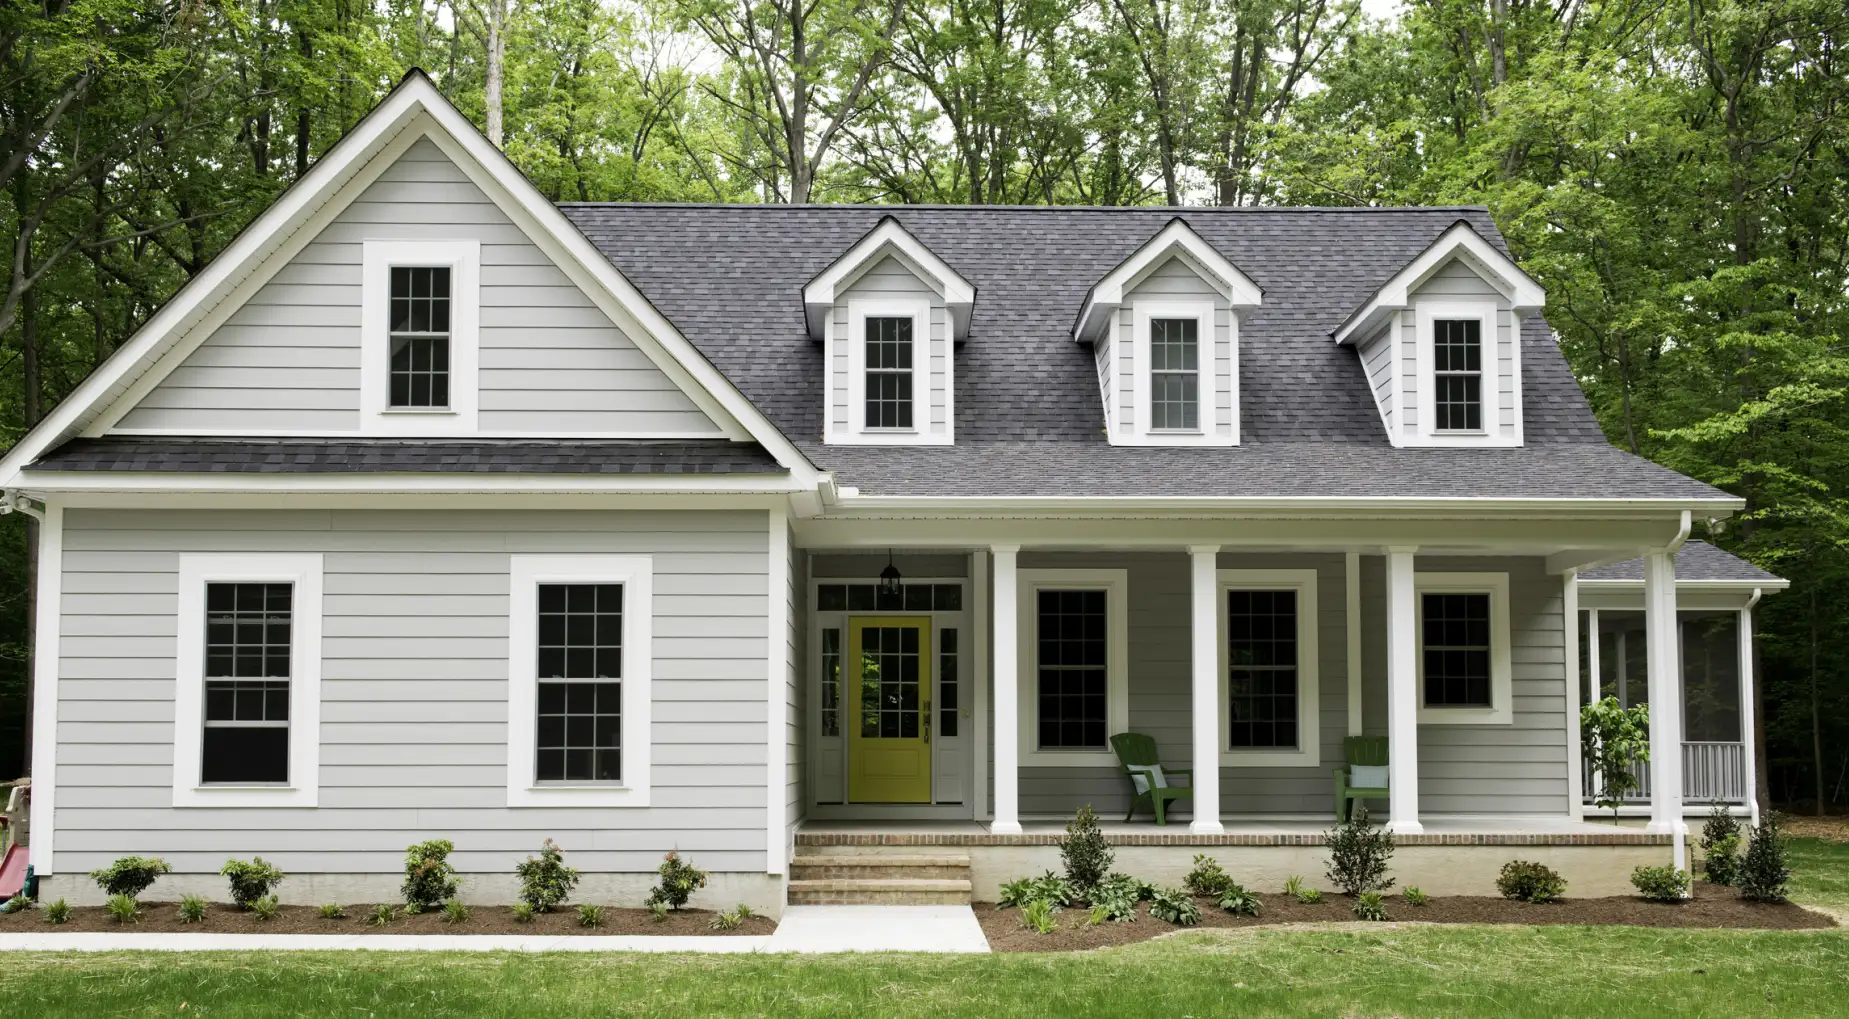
x,y
1460,242
1176,239
889,239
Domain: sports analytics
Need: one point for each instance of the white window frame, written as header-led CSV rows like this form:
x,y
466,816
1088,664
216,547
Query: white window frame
x,y
1213,384
1426,317
924,394
1496,585
302,571
525,574
1308,751
1116,587
377,416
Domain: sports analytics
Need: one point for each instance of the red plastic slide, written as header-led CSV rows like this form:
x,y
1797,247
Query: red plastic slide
x,y
13,871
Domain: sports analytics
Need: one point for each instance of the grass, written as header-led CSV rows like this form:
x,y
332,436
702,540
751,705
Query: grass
x,y
1449,971
1820,873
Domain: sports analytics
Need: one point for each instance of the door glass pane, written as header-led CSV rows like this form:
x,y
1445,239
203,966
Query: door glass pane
x,y
947,695
889,677
831,681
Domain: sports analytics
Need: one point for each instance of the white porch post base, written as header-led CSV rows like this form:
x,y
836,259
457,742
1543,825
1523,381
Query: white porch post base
x,y
1665,685
1007,695
1206,706
1402,695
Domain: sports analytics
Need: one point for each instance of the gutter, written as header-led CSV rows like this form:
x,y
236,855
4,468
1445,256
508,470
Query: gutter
x,y
851,501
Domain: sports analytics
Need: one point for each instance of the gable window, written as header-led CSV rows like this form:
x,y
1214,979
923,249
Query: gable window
x,y
579,637
1174,374
889,372
1074,665
1464,648
247,712
1457,363
1268,668
420,336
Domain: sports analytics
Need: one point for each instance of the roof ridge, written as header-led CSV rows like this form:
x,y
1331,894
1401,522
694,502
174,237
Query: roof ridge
x,y
1172,210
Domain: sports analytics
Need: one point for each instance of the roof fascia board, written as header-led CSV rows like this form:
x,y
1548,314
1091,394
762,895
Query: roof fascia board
x,y
1463,506
427,482
889,238
1176,238
1693,584
1524,295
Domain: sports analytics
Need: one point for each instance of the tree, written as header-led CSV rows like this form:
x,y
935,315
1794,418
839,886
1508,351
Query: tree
x,y
1617,739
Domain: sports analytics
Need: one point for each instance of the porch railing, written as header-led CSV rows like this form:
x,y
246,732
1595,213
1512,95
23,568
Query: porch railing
x,y
1710,771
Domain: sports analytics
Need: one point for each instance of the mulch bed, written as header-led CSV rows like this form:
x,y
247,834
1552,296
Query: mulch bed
x,y
164,917
1711,907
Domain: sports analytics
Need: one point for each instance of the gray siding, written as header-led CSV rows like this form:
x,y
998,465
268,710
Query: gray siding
x,y
1174,280
1457,281
289,359
890,279
1377,361
414,690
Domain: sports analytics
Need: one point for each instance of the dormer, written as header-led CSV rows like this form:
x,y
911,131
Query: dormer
x,y
1441,344
1164,327
889,314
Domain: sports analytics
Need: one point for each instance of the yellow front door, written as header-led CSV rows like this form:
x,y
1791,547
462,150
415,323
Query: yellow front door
x,y
889,724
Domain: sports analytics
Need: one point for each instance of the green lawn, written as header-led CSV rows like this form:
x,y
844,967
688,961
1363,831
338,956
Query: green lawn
x,y
1435,971
1820,873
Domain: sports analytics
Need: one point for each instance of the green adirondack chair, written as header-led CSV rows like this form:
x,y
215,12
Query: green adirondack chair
x,y
1137,753
1368,751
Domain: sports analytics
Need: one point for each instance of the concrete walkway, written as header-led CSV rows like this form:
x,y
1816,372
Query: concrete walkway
x,y
804,929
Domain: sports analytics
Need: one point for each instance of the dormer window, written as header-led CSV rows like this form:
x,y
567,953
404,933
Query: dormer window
x,y
1175,374
1457,374
889,372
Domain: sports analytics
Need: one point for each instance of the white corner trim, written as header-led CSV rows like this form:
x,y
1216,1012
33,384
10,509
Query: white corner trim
x,y
1569,604
1351,619
1496,585
777,699
1116,587
525,574
925,393
1308,752
378,257
889,238
45,671
1524,295
303,571
1426,315
1212,385
1107,295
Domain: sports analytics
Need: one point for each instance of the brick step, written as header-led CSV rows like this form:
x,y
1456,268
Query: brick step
x,y
871,867
869,891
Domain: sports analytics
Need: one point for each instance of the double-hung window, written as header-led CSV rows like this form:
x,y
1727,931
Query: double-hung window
x,y
1073,665
1268,668
1174,374
247,652
420,331
889,382
1457,374
578,672
1464,648
420,317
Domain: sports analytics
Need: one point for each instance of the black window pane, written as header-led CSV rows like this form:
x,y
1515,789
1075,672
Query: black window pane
x,y
1174,380
244,754
831,598
579,732
1455,632
1072,669
947,597
420,323
1457,360
889,372
579,725
918,597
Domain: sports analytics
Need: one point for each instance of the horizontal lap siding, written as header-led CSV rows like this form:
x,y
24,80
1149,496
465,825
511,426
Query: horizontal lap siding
x,y
414,689
550,360
890,279
1377,360
1457,281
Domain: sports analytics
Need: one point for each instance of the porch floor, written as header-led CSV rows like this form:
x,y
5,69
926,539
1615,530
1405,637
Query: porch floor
x,y
1437,824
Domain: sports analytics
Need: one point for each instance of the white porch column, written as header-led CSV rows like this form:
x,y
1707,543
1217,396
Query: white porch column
x,y
1007,694
1206,657
1402,694
1576,755
1749,725
1665,690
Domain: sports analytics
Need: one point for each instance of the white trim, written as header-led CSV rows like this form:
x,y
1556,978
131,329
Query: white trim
x,y
1212,384
1206,704
1490,378
525,574
1309,748
144,481
1496,585
925,394
979,675
378,258
1402,691
1351,615
1664,691
1100,309
351,435
45,690
1007,820
303,571
889,238
1748,722
1524,295
778,697
1116,587
1569,601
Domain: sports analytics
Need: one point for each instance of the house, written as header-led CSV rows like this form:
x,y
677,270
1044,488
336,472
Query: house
x,y
778,535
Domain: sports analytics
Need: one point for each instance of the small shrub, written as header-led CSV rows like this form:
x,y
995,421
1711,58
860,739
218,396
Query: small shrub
x,y
1238,901
1310,896
382,914
1049,886
1136,889
1415,897
1525,881
1720,846
523,912
124,908
545,881
250,879
265,908
1369,906
1358,854
744,911
1206,878
1084,850
192,909
429,880
658,911
413,908
1661,884
679,880
455,911
1176,906
1037,916
1293,885
130,876
333,911
58,912
17,904
1763,867
590,915
1116,906
726,921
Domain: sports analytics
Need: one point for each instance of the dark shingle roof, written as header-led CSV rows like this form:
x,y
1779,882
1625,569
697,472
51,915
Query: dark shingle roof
x,y
421,456
1695,560
1029,419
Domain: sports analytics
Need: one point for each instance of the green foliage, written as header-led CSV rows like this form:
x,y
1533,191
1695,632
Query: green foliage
x,y
58,912
523,912
1614,738
679,880
1358,854
250,880
382,914
1661,884
192,908
1415,897
545,881
455,911
658,911
17,904
1237,900
1764,867
1206,878
1310,896
1037,916
744,911
726,921
428,877
1526,881
1084,851
123,907
1176,906
265,908
130,875
1369,906
1720,846
590,914
1048,886
332,911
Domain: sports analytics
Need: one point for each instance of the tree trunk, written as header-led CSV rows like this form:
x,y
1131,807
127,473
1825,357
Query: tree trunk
x,y
1816,713
303,121
496,66
29,364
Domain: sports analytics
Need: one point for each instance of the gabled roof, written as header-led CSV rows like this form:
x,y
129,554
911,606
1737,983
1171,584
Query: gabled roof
x,y
1696,562
889,239
1460,242
1178,240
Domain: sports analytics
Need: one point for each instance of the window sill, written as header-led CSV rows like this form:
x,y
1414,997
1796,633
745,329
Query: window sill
x,y
1068,758
570,795
1285,757
1430,714
245,796
419,411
